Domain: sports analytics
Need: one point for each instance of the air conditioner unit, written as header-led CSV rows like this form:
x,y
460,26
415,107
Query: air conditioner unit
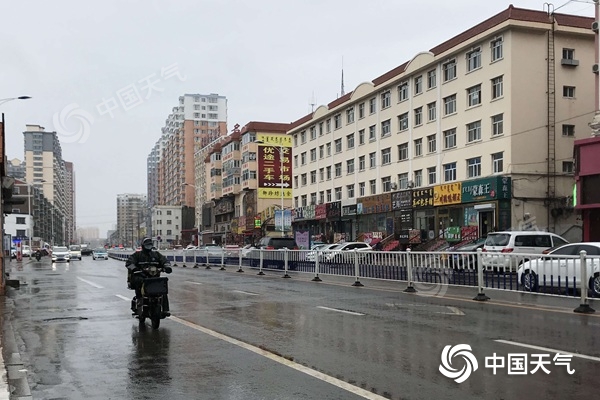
x,y
595,26
394,186
595,68
411,184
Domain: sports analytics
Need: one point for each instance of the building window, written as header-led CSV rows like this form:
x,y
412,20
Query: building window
x,y
321,197
497,124
568,130
338,170
449,70
361,189
450,172
372,134
303,137
567,167
497,162
328,125
373,186
313,155
321,174
20,221
303,158
431,79
474,167
431,112
328,149
328,194
372,105
361,163
431,175
403,151
361,110
350,191
350,141
474,96
350,115
372,160
386,184
386,156
313,198
361,136
418,116
337,121
328,173
569,92
303,180
418,181
320,129
568,54
313,177
403,181
321,151
403,122
450,105
418,147
418,84
496,46
431,147
338,145
338,193
350,166
450,138
313,133
386,98
403,91
474,59
497,87
474,131
386,128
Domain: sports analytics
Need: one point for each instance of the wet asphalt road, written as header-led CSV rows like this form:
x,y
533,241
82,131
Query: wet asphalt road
x,y
78,340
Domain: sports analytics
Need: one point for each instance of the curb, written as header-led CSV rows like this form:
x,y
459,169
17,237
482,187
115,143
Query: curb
x,y
18,385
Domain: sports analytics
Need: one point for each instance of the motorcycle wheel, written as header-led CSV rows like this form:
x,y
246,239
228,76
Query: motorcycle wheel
x,y
155,322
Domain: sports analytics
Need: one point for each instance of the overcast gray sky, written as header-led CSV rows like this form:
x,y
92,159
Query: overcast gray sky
x,y
267,57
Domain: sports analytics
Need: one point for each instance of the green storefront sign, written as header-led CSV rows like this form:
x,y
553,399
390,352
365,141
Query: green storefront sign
x,y
486,189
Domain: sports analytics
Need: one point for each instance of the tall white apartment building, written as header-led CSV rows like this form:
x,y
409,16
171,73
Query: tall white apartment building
x,y
474,135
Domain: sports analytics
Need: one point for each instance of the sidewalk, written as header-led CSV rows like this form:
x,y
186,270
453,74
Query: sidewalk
x,y
14,383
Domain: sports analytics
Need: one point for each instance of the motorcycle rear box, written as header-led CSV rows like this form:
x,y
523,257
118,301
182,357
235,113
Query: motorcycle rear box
x,y
155,286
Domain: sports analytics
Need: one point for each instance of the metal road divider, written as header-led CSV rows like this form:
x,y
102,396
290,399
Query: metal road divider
x,y
555,275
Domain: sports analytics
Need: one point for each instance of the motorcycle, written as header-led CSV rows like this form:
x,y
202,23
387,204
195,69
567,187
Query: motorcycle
x,y
38,255
153,289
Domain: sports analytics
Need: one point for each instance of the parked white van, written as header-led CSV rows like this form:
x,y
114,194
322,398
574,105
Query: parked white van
x,y
504,249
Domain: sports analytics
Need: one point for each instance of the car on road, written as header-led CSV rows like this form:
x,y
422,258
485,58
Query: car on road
x,y
60,253
319,250
210,249
75,252
561,268
26,251
345,252
247,249
503,249
465,261
277,243
99,253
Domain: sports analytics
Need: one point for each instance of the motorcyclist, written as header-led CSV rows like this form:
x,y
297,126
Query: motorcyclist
x,y
134,281
38,254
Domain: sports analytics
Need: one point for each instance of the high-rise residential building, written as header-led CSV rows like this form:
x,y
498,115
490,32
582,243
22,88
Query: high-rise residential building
x,y
197,120
45,168
472,136
131,214
71,205
152,179
16,169
88,234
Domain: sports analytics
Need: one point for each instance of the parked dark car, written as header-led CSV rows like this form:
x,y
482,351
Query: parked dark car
x,y
277,243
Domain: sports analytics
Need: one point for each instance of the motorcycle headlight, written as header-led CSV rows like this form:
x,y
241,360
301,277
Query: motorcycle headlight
x,y
153,270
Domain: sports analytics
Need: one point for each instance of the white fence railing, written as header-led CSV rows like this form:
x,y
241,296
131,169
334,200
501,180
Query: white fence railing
x,y
568,275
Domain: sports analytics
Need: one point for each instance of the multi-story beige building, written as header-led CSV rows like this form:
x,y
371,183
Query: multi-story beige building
x,y
70,204
131,213
195,122
243,176
45,169
473,135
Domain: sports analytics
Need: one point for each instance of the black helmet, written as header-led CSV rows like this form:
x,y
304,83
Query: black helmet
x,y
147,244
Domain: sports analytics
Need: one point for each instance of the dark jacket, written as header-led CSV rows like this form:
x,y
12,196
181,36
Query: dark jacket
x,y
145,256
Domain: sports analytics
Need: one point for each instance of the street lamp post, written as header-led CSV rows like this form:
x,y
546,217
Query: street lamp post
x,y
2,101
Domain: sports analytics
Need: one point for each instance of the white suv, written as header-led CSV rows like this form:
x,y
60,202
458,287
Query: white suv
x,y
504,249
344,252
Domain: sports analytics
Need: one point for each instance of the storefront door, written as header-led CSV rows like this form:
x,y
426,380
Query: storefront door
x,y
486,222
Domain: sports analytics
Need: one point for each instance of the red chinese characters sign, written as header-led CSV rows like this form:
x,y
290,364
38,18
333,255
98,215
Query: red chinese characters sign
x,y
275,172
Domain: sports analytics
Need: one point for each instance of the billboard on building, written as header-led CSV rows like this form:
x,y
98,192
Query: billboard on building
x,y
275,167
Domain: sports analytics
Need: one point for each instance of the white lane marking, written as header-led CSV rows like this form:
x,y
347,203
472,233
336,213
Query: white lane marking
x,y
91,283
342,311
194,283
548,350
455,311
281,360
248,293
122,297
